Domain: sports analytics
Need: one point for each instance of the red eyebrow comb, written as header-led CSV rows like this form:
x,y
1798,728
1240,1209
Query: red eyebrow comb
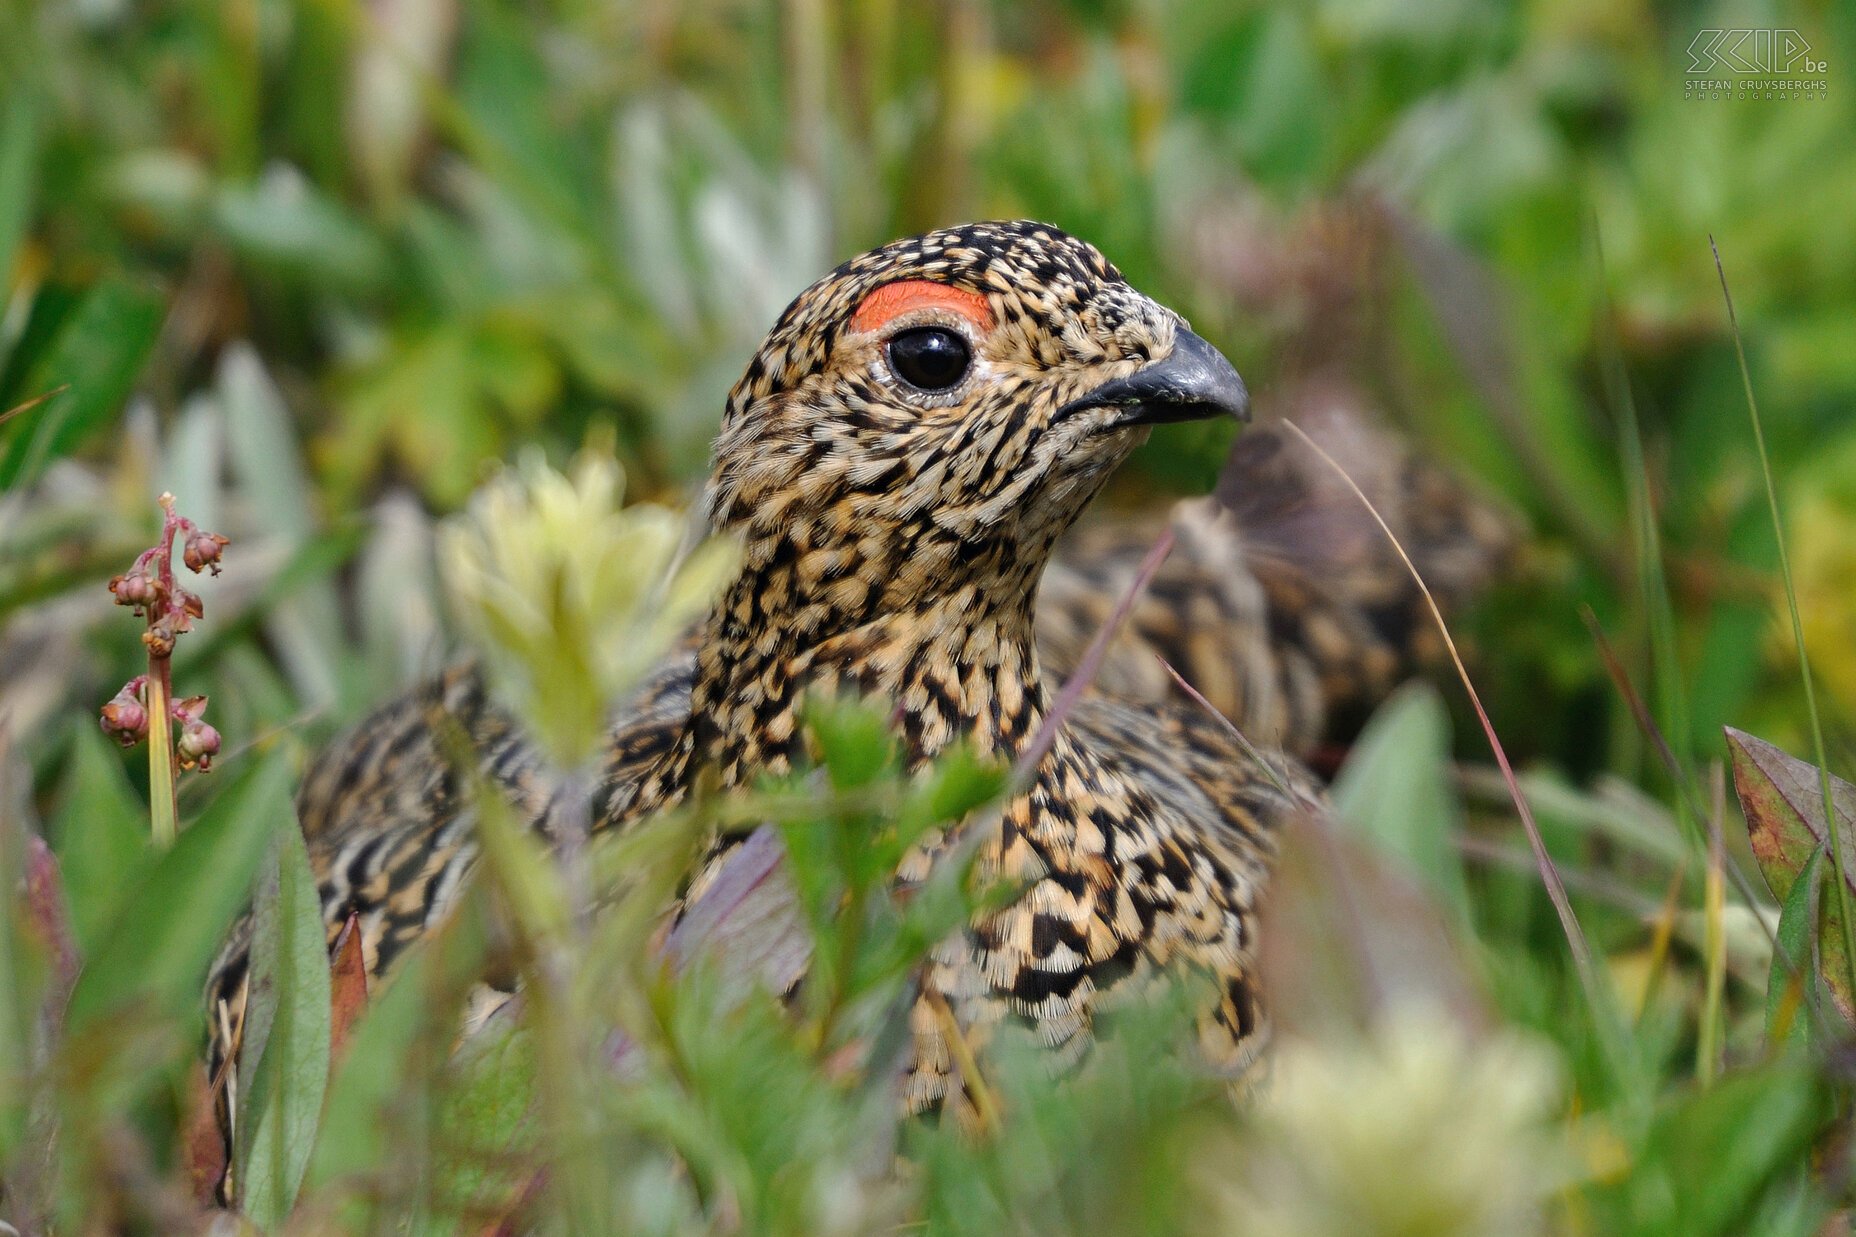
x,y
895,299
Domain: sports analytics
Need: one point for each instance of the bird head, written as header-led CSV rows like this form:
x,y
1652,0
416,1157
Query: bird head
x,y
944,406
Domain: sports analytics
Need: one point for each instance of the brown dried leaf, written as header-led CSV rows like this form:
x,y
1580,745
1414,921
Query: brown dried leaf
x,y
348,985
203,1143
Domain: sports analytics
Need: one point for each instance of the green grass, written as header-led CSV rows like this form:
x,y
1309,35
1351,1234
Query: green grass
x,y
1839,865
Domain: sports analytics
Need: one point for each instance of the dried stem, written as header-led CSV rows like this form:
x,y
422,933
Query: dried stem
x,y
1091,660
1589,976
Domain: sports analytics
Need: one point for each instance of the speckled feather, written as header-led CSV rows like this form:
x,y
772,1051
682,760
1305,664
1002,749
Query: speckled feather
x,y
894,541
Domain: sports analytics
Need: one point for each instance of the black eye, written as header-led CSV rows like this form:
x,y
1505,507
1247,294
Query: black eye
x,y
930,357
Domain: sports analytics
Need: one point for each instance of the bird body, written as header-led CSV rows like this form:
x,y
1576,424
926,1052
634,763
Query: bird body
x,y
898,464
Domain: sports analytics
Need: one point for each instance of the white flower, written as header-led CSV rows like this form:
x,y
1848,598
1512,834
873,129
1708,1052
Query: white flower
x,y
572,597
1414,1130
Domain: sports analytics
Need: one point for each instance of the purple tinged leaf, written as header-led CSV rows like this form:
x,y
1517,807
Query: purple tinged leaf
x,y
748,919
51,917
1347,934
1783,800
1784,807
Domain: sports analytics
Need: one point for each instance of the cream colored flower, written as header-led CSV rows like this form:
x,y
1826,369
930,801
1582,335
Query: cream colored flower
x,y
572,597
1414,1130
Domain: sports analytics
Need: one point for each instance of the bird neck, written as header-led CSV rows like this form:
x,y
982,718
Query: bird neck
x,y
958,660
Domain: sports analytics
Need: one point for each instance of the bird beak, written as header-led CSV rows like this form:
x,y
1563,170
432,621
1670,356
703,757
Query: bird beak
x,y
1192,383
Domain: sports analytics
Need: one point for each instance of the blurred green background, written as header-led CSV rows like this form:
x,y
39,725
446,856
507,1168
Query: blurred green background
x,y
315,265
311,265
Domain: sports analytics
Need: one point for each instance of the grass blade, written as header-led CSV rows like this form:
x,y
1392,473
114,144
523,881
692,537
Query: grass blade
x,y
1837,859
1589,978
156,953
1714,949
97,353
101,843
1791,982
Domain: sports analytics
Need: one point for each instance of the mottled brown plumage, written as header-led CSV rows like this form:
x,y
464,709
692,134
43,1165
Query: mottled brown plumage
x,y
894,540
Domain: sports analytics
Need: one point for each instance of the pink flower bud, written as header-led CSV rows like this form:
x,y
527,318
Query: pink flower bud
x,y
137,588
202,550
199,743
125,718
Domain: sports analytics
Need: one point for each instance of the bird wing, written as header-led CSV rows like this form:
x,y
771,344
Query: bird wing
x,y
1282,602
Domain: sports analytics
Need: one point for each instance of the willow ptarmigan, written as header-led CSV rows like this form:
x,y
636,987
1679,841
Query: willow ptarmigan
x,y
898,462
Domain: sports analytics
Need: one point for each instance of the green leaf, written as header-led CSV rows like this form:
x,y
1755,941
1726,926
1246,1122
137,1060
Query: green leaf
x,y
1266,65
484,1124
1788,985
380,1092
284,1060
374,1082
102,835
19,153
1742,1137
854,740
422,402
300,233
1396,791
961,781
155,955
97,352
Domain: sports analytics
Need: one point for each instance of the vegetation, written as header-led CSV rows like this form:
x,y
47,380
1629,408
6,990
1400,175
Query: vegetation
x,y
315,266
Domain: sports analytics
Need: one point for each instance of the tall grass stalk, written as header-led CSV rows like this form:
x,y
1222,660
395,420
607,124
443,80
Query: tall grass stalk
x,y
1684,785
1652,573
1597,994
1791,604
1712,1033
1659,616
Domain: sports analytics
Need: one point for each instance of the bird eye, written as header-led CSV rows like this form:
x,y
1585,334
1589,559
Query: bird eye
x,y
930,357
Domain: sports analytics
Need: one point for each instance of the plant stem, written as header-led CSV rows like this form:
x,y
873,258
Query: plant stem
x,y
163,818
1597,991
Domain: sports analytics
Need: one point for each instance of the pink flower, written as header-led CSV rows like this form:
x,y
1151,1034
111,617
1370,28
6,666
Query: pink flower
x,y
125,717
202,550
198,744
